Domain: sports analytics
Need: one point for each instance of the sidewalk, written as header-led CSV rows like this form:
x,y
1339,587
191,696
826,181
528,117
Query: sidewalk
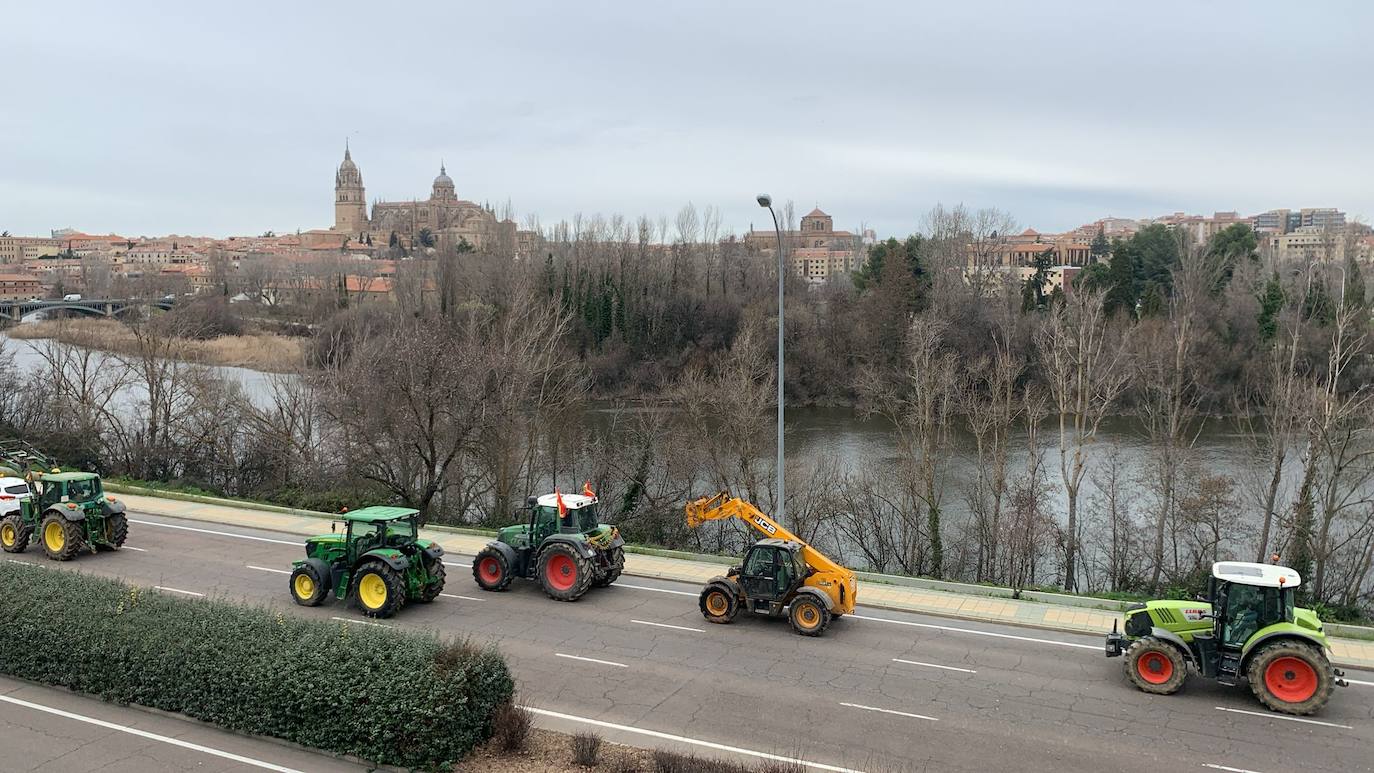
x,y
1054,617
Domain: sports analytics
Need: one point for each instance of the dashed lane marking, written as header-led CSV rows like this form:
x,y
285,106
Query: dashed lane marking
x,y
979,633
933,665
1230,770
655,590
359,622
890,711
150,736
131,547
692,741
217,533
590,660
1356,681
268,569
665,625
178,590
1284,717
456,596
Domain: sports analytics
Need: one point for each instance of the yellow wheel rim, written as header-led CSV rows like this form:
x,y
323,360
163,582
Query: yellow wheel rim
x,y
7,535
808,616
716,603
372,591
305,587
55,537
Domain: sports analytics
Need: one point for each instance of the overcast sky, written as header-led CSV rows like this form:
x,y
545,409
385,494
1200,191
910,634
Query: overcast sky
x,y
230,119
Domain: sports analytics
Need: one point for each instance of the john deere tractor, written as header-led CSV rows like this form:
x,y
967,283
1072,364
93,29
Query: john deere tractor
x,y
68,511
1247,627
379,562
561,544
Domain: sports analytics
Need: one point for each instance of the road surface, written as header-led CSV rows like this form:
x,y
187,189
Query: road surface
x,y
881,691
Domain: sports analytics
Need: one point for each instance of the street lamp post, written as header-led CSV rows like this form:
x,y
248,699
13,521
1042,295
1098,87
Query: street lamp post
x,y
767,201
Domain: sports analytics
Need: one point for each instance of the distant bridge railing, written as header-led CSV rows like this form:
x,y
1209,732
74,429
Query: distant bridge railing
x,y
16,310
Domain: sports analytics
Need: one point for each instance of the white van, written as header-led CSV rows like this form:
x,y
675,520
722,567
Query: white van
x,y
72,297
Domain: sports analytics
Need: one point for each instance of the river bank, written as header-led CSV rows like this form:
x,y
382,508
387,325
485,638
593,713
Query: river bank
x,y
268,352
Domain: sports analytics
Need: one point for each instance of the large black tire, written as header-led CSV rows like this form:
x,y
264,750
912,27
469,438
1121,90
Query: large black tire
x,y
1291,677
61,539
615,565
435,568
308,588
808,615
378,590
563,573
14,535
116,531
490,570
718,604
1155,666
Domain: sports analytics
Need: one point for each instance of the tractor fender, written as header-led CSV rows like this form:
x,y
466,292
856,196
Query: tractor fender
x,y
1164,634
507,552
824,598
1254,645
75,514
580,545
726,583
393,558
322,571
113,508
434,550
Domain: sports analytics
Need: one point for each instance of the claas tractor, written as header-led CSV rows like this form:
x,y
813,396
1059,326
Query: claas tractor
x,y
1246,627
560,543
780,574
67,511
378,562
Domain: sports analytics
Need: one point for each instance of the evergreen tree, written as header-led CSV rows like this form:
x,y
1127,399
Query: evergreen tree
x,y
1354,284
1100,249
1271,302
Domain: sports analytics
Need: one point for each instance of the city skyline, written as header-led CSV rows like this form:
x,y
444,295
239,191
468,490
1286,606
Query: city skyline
x,y
563,110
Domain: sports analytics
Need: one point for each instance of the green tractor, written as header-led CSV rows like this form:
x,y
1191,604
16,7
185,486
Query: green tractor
x,y
561,544
379,562
1246,627
68,511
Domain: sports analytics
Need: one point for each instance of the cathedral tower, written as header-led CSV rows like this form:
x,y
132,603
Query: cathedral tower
x,y
350,201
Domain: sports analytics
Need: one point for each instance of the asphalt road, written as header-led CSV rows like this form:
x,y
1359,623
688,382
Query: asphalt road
x,y
880,692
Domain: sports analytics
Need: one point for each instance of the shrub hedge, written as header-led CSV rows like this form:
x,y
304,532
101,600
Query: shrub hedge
x,y
383,694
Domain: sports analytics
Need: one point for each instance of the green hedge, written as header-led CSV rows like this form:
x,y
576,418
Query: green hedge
x,y
383,694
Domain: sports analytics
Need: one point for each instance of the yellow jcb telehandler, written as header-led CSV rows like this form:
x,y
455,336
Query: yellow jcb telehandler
x,y
780,574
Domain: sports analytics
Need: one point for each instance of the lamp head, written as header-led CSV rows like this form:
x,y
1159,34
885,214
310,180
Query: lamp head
x,y
765,200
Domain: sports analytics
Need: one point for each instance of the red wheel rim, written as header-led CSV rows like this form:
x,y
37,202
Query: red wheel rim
x,y
1290,679
1154,667
560,572
490,569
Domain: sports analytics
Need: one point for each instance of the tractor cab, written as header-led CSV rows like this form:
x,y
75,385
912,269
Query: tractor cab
x,y
58,488
1246,597
772,570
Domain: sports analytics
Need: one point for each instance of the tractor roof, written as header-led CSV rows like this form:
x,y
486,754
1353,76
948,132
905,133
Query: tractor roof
x,y
66,476
785,544
571,501
378,513
1263,575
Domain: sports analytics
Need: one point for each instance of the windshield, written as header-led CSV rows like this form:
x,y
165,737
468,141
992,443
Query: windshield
x,y
83,490
400,532
586,517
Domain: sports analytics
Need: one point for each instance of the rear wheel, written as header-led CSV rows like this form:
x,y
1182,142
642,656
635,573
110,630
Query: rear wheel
x,y
307,586
718,604
490,570
1155,666
14,537
116,531
808,615
435,568
1291,677
378,590
62,539
564,574
615,565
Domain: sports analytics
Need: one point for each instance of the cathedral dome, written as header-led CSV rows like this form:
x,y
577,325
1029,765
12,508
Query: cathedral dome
x,y
443,186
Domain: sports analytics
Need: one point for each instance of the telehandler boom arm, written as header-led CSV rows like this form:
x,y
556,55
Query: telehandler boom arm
x,y
723,506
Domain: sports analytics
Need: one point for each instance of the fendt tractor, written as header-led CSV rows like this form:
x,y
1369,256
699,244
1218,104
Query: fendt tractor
x,y
68,511
379,562
561,544
1246,627
781,574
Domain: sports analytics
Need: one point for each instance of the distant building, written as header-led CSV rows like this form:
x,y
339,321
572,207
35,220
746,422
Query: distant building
x,y
816,250
1310,243
1283,221
17,249
19,287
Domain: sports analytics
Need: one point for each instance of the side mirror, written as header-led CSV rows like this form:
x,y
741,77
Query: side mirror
x,y
333,525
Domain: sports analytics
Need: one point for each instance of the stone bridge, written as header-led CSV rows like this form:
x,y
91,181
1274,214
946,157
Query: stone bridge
x,y
95,307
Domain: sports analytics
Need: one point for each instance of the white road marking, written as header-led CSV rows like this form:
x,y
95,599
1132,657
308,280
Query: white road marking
x,y
692,741
465,598
359,622
1271,715
131,547
1231,770
461,566
1356,681
933,665
665,625
218,533
655,590
889,711
178,590
268,569
590,660
1096,647
150,736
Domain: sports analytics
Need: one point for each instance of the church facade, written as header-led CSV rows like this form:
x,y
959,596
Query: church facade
x,y
442,221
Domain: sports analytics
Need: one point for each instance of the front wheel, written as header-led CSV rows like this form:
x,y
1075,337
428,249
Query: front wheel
x,y
435,569
62,539
615,564
564,573
14,537
116,532
1291,677
1155,666
307,586
808,615
490,570
378,590
718,604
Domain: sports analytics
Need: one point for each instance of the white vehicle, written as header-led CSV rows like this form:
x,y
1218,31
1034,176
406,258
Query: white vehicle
x,y
12,492
72,297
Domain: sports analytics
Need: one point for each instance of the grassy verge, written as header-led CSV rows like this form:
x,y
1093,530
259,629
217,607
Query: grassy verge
x,y
385,695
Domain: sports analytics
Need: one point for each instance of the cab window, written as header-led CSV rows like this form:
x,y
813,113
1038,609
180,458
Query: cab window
x,y
545,521
760,563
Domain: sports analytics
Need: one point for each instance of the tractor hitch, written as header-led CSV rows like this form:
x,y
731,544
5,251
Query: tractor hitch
x,y
1340,677
1116,642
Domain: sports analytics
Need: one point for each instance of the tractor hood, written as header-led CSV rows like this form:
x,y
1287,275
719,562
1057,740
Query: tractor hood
x,y
1307,618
